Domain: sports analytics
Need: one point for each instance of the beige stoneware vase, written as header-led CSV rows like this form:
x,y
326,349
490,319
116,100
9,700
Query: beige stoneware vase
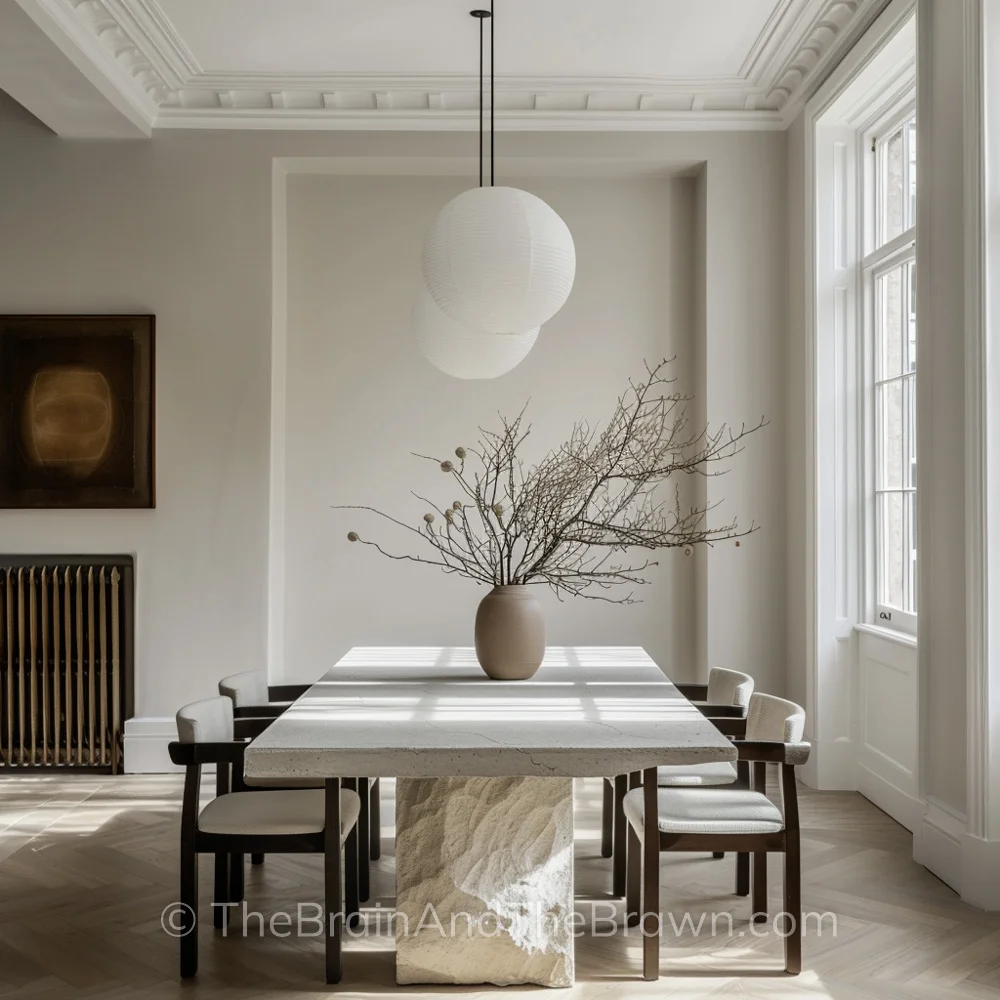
x,y
510,633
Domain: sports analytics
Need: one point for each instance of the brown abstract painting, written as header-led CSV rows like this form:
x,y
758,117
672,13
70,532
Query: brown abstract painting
x,y
76,411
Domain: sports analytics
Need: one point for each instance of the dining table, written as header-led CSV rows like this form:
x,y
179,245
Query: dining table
x,y
484,787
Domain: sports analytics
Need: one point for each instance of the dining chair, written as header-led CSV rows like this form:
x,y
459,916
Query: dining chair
x,y
732,818
253,697
234,823
726,695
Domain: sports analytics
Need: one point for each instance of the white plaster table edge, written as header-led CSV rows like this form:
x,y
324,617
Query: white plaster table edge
x,y
588,712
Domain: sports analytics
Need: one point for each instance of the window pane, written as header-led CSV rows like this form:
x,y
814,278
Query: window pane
x,y
911,177
891,549
910,432
889,187
889,414
910,569
910,271
889,324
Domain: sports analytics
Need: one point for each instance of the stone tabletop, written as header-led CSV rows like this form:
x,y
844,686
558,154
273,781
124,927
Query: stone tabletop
x,y
424,712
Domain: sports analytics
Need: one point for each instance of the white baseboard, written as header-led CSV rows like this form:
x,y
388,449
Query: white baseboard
x,y
938,843
146,745
890,798
981,872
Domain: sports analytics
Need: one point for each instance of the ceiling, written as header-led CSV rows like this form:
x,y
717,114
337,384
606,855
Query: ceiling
x,y
405,64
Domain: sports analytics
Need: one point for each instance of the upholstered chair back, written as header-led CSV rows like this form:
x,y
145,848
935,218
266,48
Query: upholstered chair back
x,y
248,688
207,721
775,719
729,687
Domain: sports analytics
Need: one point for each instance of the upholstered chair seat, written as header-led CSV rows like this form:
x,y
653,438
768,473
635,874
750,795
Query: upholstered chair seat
x,y
276,813
707,810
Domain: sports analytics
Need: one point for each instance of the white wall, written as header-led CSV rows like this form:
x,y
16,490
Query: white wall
x,y
180,226
941,269
361,398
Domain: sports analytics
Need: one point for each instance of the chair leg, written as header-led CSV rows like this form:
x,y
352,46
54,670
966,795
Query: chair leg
x,y
221,896
651,906
352,907
189,912
256,859
742,874
236,878
793,904
607,818
633,882
758,887
620,862
375,822
364,839
332,889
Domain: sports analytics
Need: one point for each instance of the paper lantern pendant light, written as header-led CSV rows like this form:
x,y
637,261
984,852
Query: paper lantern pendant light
x,y
497,263
499,258
463,352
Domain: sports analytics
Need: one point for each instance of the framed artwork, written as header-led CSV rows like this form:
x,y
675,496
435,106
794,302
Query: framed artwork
x,y
76,411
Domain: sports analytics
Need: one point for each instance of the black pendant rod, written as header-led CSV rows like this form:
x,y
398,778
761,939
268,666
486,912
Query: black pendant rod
x,y
480,102
481,15
493,93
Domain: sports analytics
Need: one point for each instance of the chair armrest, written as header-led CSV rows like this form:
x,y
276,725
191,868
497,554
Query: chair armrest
x,y
247,729
693,692
722,711
259,711
772,751
286,692
207,753
731,726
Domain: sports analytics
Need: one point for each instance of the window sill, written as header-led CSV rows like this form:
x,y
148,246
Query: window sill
x,y
889,634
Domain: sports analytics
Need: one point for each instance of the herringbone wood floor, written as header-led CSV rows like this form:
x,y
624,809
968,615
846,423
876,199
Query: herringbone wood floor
x,y
87,864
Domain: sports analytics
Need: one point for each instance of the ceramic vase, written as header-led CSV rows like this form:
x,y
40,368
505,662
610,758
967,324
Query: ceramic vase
x,y
510,633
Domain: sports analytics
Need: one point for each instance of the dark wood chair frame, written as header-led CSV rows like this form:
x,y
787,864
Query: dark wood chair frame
x,y
229,849
280,698
643,882
614,827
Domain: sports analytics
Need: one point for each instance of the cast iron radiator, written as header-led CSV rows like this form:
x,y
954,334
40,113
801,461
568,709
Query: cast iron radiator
x,y
66,651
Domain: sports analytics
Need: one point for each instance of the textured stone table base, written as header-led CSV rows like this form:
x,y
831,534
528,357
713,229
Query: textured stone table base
x,y
484,880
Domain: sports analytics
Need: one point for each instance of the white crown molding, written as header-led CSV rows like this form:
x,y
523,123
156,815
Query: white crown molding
x,y
430,120
134,44
96,45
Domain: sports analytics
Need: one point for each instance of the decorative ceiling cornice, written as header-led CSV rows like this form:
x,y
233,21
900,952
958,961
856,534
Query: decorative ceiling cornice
x,y
133,44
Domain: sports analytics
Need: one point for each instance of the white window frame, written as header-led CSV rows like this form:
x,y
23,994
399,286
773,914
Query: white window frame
x,y
877,261
883,62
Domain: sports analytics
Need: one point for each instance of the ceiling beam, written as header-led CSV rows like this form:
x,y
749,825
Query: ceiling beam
x,y
47,72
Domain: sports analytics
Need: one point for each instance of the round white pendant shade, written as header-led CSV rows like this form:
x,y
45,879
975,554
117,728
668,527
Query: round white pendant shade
x,y
498,258
462,352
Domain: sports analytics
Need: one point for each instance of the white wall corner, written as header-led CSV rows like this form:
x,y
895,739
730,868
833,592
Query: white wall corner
x,y
279,383
938,843
832,766
146,742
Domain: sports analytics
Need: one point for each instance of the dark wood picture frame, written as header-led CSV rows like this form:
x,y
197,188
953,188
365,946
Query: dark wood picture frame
x,y
77,401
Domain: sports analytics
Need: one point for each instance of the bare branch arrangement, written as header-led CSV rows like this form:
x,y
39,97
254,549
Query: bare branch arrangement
x,y
567,520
